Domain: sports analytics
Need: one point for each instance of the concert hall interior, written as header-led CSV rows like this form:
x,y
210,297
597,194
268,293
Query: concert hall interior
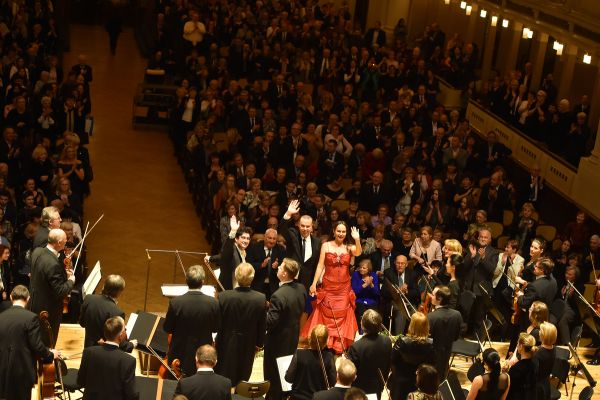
x,y
399,196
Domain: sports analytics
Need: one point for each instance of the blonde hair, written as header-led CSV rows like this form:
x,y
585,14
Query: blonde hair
x,y
38,151
318,337
419,327
244,274
527,342
538,313
547,334
453,246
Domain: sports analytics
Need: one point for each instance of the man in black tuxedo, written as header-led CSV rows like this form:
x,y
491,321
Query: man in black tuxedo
x,y
20,347
371,354
494,152
444,327
494,198
405,280
543,288
301,245
205,384
82,68
283,323
265,255
384,258
374,194
346,374
50,281
375,36
232,254
294,145
277,92
97,308
242,328
567,315
331,163
480,264
106,372
50,220
191,319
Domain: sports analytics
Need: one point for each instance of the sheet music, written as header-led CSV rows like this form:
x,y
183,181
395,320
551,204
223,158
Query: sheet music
x,y
173,290
283,363
372,396
90,284
130,323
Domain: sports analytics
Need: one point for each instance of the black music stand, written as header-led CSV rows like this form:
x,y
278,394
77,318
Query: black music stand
x,y
451,389
251,390
398,301
155,388
491,307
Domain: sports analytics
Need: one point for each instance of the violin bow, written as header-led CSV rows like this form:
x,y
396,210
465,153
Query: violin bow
x,y
80,244
337,327
385,382
323,365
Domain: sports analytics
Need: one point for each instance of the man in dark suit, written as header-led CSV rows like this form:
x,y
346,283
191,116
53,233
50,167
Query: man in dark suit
x,y
494,198
494,152
402,279
479,267
205,384
375,36
384,258
20,346
97,308
242,328
106,372
50,281
283,323
371,354
265,255
543,288
346,374
277,92
82,68
191,319
331,163
444,327
567,315
232,254
50,220
373,194
301,245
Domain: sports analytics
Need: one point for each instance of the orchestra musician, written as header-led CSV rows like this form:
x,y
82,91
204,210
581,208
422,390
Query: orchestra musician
x,y
50,220
97,308
50,281
346,374
242,329
444,325
566,312
543,288
536,250
371,354
20,345
205,384
510,264
425,249
405,280
191,320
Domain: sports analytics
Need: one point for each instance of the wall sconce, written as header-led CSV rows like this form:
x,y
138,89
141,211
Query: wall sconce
x,y
558,47
463,5
527,33
469,9
446,2
505,23
587,59
483,13
494,20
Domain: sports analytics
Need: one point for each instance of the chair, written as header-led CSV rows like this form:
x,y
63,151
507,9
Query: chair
x,y
221,141
548,232
483,181
252,390
69,379
341,204
501,242
507,218
560,371
258,237
461,347
346,184
496,228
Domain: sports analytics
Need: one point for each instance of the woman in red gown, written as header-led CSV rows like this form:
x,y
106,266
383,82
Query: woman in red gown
x,y
335,302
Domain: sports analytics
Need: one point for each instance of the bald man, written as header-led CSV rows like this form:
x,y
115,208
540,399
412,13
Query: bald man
x,y
265,255
50,281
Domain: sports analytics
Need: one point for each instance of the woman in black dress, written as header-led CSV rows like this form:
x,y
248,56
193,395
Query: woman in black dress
x,y
523,374
408,353
305,372
545,356
494,384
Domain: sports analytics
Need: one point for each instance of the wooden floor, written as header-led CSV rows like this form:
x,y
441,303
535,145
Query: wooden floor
x,y
139,188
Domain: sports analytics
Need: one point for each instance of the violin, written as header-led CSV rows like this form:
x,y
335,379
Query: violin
x,y
596,302
68,264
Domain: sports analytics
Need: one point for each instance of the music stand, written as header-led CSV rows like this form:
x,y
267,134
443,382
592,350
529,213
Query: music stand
x,y
579,366
398,300
155,388
252,390
91,283
491,307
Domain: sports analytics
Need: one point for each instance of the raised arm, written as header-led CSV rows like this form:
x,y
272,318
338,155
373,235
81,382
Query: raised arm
x,y
356,248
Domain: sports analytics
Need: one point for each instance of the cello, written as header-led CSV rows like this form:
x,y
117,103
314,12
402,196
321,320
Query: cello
x,y
48,371
165,371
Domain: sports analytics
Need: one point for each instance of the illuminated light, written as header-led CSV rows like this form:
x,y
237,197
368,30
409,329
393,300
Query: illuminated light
x,y
494,20
587,59
505,23
446,2
559,50
463,4
483,13
525,33
529,34
469,9
555,45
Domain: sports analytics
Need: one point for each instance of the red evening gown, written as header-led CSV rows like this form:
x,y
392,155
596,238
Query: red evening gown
x,y
335,294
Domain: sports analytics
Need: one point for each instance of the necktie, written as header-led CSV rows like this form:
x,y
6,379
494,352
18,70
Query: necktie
x,y
400,281
303,250
269,257
386,263
375,189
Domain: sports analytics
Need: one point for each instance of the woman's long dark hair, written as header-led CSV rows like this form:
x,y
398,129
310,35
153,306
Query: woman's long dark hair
x,y
491,358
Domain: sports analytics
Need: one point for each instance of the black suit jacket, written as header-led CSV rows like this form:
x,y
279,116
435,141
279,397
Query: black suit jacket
x,y
191,318
369,201
256,256
20,345
95,310
306,374
41,237
370,355
335,393
542,289
49,286
377,260
243,320
479,270
410,279
444,328
228,261
293,249
205,385
106,372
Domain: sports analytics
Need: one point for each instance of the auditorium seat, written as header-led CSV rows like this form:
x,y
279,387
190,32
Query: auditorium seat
x,y
507,218
341,204
548,232
501,243
496,228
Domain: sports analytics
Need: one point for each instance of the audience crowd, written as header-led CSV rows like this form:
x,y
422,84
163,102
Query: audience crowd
x,y
45,124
